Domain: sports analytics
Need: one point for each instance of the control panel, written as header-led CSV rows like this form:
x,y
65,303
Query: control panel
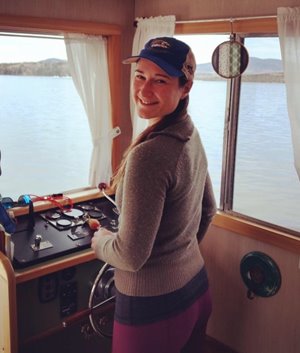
x,y
58,232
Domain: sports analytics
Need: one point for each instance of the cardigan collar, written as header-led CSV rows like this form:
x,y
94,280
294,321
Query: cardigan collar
x,y
182,130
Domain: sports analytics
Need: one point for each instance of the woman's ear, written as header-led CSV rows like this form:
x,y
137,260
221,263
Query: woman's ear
x,y
186,89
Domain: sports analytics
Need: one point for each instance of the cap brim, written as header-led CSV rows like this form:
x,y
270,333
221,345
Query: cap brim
x,y
170,70
131,60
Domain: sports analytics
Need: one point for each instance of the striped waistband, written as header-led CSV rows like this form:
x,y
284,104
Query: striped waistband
x,y
144,310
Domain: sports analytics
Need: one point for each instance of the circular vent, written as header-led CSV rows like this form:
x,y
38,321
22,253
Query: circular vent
x,y
260,274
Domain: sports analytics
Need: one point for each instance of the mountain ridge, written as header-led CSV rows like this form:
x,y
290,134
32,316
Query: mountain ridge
x,y
258,70
265,70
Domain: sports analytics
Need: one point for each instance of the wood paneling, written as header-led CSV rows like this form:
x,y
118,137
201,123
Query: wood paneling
x,y
243,227
213,9
260,25
261,325
42,25
8,313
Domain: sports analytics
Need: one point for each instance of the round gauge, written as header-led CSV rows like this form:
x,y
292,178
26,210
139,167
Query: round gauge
x,y
73,213
87,207
53,215
96,214
64,223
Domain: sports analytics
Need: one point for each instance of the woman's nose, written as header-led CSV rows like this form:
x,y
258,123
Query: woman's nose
x,y
146,88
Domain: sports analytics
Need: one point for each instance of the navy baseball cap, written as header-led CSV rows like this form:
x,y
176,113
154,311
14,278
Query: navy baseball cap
x,y
172,55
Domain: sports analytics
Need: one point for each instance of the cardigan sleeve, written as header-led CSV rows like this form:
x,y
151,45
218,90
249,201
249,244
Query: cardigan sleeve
x,y
208,208
145,183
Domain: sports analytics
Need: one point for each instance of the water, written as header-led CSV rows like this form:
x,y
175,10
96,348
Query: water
x,y
46,148
44,136
266,184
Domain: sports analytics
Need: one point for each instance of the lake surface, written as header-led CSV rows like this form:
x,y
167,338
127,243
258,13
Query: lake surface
x,y
46,148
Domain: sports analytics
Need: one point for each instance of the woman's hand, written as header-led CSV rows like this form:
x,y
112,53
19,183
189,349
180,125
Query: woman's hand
x,y
101,232
93,223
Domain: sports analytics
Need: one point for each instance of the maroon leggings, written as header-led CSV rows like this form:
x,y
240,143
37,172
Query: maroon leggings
x,y
182,333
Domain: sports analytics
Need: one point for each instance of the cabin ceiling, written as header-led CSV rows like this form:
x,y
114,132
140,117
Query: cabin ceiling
x,y
123,12
212,9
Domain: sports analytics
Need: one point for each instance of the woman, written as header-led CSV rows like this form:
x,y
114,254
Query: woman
x,y
166,203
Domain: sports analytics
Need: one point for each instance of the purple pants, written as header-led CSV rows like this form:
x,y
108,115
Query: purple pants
x,y
182,333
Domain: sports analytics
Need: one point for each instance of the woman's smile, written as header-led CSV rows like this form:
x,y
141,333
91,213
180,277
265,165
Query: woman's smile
x,y
156,94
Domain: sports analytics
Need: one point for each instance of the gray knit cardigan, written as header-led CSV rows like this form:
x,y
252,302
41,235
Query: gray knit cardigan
x,y
166,203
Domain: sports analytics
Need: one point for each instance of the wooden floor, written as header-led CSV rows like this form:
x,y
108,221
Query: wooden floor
x,y
213,346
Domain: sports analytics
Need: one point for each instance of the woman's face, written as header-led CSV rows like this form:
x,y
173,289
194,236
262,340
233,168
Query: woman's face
x,y
154,92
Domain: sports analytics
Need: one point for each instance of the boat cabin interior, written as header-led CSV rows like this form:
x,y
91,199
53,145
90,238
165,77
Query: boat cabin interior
x,y
54,294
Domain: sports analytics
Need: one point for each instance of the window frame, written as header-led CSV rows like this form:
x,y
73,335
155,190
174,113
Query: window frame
x,y
226,218
49,26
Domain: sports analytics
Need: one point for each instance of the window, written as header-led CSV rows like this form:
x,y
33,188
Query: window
x,y
53,153
263,184
266,184
208,103
45,138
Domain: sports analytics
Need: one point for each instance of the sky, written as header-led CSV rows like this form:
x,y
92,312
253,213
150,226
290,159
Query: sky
x,y
264,48
14,49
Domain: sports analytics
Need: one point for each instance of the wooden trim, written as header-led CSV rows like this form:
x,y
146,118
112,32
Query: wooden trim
x,y
57,264
55,26
79,195
8,307
241,26
258,232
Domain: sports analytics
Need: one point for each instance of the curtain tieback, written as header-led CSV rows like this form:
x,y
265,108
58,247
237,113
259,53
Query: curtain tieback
x,y
116,131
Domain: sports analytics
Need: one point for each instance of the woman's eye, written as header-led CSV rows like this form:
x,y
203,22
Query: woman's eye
x,y
139,77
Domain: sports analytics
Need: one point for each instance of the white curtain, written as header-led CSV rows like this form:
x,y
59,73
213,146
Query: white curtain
x,y
288,20
87,59
147,28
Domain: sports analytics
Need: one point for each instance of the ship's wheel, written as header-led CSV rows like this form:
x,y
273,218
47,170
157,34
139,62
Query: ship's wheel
x,y
102,302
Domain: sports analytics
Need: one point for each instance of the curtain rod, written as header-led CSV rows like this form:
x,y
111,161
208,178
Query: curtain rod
x,y
36,36
230,19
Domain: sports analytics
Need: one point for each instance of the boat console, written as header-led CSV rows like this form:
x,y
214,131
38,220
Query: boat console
x,y
58,293
57,232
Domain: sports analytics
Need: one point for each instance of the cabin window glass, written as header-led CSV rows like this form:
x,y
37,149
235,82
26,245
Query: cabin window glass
x,y
208,102
266,185
264,181
45,140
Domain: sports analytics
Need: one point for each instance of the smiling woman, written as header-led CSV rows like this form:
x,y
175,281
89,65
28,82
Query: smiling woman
x,y
151,87
166,203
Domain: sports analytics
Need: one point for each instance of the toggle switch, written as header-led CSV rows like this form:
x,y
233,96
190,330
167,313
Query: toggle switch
x,y
37,241
39,244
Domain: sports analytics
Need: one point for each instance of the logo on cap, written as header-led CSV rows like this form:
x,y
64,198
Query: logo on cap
x,y
160,44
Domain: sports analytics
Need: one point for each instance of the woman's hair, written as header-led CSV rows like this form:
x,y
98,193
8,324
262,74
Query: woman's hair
x,y
170,119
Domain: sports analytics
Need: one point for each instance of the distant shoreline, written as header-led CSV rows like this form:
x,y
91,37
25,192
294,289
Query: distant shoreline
x,y
59,68
259,78
49,67
277,77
